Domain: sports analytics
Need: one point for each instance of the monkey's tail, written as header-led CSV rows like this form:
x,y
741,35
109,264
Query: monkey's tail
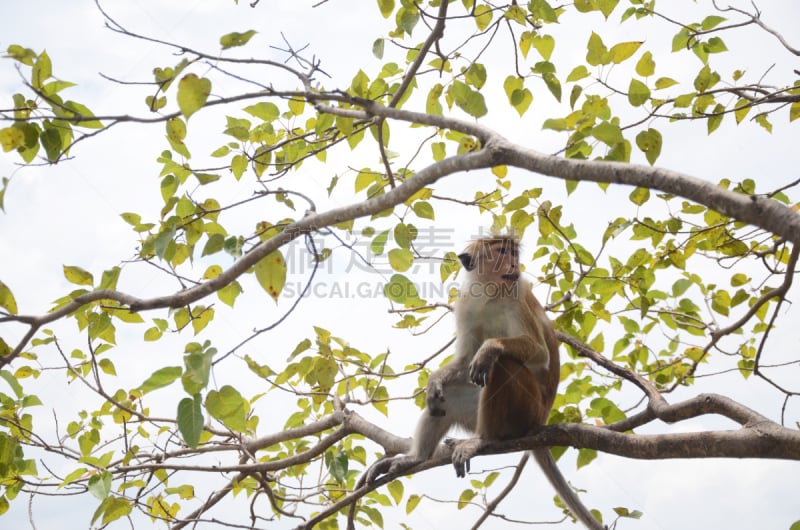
x,y
569,497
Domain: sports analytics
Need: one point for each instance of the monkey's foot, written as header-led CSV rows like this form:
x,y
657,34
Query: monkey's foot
x,y
462,452
390,465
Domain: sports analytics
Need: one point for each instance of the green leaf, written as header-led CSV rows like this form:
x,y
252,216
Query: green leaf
x,y
401,290
639,196
413,501
544,44
338,465
73,476
197,368
646,65
111,509
525,41
585,457
794,111
271,274
465,498
377,48
476,75
597,53
715,119
176,129
228,406
82,111
518,96
401,259
15,386
578,73
711,22
739,279
665,82
606,6
762,120
742,107
470,101
99,485
396,491
78,276
266,110
229,293
379,243
107,366
193,92
649,142
41,71
190,420
716,45
705,79
638,93
424,210
52,142
721,302
161,378
296,106
608,133
438,151
24,55
483,16
234,39
553,84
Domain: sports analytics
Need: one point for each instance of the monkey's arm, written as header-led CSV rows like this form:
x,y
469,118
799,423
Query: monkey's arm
x,y
534,354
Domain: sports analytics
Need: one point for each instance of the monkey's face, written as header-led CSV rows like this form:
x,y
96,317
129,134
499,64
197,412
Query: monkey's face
x,y
491,261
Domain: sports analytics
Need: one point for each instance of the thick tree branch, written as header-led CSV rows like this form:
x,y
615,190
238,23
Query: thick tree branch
x,y
759,211
309,223
758,438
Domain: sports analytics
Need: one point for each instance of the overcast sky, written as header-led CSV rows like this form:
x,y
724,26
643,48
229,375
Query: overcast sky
x,y
69,214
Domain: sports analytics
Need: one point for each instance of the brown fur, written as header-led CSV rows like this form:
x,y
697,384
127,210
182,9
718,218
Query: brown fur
x,y
505,374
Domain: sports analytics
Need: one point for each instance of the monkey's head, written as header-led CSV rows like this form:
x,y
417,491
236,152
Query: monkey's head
x,y
493,259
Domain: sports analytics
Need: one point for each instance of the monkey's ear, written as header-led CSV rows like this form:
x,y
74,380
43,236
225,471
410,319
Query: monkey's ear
x,y
466,260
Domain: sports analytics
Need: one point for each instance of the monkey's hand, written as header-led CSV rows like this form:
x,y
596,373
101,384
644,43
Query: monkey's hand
x,y
462,452
435,397
481,364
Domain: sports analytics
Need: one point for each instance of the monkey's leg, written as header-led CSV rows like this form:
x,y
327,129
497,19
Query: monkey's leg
x,y
430,430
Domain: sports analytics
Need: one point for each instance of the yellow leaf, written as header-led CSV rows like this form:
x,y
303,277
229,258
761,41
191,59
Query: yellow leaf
x,y
234,39
11,138
623,50
386,7
7,300
193,92
483,16
78,276
176,129
271,274
212,272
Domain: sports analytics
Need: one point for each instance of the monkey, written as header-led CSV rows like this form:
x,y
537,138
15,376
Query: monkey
x,y
504,376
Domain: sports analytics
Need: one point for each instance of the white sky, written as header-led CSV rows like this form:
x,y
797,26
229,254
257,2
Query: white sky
x,y
69,214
